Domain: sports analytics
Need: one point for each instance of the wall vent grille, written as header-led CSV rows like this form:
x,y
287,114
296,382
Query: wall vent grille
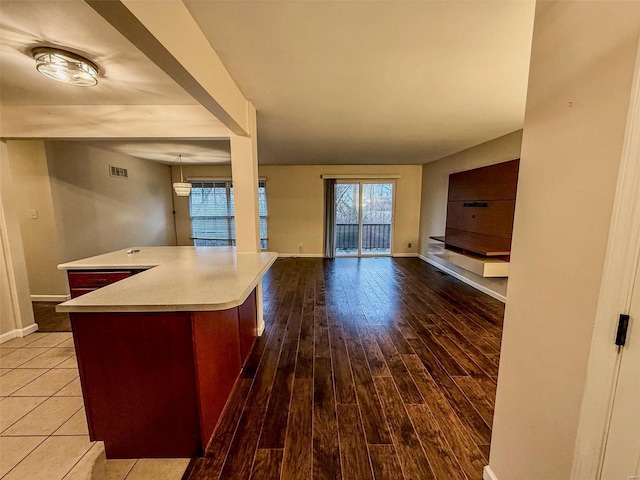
x,y
118,172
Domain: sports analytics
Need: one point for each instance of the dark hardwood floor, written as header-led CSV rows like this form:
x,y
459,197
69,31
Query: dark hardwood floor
x,y
373,368
48,319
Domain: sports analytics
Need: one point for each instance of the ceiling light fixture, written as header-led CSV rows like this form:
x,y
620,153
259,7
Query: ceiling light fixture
x,y
65,66
182,188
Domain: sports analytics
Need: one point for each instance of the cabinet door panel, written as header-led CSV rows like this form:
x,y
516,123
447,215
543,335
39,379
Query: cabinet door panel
x,y
96,279
78,291
138,381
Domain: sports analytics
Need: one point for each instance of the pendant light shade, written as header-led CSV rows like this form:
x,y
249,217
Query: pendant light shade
x,y
182,188
66,67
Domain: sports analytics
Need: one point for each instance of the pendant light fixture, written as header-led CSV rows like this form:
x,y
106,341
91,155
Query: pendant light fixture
x,y
182,188
66,67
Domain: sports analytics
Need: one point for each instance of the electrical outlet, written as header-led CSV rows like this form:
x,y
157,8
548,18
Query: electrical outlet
x,y
299,247
33,213
409,245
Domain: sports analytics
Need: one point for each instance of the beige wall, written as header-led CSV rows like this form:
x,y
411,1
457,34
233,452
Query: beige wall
x,y
39,235
295,197
435,185
296,205
584,53
97,213
16,315
82,211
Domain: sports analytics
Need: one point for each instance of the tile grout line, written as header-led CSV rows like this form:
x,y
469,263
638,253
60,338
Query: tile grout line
x,y
24,458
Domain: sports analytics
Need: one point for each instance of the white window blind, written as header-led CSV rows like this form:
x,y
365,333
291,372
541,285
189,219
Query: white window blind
x,y
212,213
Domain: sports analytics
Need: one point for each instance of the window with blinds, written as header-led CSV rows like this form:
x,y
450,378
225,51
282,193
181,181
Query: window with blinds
x,y
212,213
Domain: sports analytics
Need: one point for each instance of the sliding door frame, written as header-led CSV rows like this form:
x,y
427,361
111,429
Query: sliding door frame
x,y
361,182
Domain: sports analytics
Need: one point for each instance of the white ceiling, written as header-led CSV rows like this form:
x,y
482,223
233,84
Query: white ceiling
x,y
333,82
194,152
374,81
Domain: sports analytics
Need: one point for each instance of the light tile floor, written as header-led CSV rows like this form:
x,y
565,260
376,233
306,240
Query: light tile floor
x,y
43,428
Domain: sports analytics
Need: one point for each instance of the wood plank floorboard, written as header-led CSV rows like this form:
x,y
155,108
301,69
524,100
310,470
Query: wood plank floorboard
x,y
267,464
343,379
408,390
375,359
384,462
354,456
240,457
411,456
297,463
326,449
48,320
373,419
372,368
441,458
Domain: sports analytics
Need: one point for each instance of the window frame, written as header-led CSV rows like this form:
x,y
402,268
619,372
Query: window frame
x,y
230,210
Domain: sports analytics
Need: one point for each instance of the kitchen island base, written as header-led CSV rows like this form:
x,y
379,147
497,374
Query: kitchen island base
x,y
155,383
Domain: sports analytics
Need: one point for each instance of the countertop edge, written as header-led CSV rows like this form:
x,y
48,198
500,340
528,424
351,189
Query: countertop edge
x,y
67,267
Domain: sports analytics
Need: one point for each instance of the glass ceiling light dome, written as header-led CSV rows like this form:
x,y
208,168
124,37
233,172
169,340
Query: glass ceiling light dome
x,y
65,66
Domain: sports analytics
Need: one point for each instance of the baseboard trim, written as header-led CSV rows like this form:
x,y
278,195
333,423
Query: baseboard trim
x,y
464,279
487,473
18,332
319,255
50,298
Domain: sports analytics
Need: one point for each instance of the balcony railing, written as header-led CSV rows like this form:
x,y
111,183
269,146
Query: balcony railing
x,y
375,236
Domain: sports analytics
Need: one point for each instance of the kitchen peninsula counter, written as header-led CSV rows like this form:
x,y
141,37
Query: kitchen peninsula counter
x,y
161,336
174,279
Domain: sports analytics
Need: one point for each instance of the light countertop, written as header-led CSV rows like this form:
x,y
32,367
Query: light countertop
x,y
176,279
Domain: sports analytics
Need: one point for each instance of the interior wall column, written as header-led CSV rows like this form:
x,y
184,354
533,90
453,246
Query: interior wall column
x,y
244,174
20,319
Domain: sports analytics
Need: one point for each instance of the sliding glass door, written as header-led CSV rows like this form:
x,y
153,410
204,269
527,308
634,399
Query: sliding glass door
x,y
347,227
363,218
377,212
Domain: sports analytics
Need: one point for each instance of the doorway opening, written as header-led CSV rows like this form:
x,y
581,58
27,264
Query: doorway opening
x,y
363,224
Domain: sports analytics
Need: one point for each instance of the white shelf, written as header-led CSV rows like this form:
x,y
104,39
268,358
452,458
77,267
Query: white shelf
x,y
483,266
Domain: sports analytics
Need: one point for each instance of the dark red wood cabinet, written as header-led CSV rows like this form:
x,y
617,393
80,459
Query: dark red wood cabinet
x,y
247,320
85,281
155,384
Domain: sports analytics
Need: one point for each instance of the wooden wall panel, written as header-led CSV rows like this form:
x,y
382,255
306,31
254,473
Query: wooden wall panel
x,y
496,219
480,209
495,182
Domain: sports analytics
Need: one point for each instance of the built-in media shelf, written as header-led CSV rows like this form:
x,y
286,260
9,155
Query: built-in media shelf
x,y
482,265
480,209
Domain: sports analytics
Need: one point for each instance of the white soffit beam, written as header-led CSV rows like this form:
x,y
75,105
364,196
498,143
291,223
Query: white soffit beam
x,y
366,176
169,36
109,121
